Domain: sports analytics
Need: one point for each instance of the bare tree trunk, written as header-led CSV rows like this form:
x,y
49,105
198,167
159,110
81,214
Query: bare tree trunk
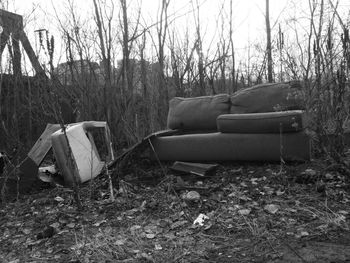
x,y
280,48
268,43
199,49
145,92
233,71
163,89
105,45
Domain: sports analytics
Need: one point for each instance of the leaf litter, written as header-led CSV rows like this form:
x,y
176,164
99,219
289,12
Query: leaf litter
x,y
245,213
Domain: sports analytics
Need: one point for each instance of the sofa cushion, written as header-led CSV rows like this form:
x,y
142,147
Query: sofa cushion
x,y
232,147
197,113
268,122
267,98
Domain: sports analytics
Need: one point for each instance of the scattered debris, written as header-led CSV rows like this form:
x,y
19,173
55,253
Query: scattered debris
x,y
158,247
199,169
47,173
148,222
90,157
200,220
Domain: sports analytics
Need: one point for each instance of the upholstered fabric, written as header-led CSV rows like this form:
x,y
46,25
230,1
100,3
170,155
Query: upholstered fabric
x,y
233,147
267,98
197,113
269,122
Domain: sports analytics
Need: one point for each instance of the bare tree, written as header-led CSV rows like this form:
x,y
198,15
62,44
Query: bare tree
x,y
268,42
105,39
233,66
199,49
162,30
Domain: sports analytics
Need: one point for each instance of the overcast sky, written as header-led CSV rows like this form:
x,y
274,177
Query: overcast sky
x,y
248,14
248,24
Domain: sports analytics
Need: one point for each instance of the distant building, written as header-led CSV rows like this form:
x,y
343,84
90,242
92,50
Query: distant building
x,y
142,75
80,71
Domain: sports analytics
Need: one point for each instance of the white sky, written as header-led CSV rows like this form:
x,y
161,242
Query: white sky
x,y
248,14
248,24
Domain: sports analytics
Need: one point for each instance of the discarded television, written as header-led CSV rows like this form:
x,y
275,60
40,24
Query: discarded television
x,y
82,150
81,154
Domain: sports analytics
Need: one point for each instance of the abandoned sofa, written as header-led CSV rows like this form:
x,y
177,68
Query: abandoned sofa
x,y
261,123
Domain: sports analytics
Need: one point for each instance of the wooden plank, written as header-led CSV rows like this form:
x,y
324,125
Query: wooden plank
x,y
201,169
43,144
31,54
16,64
11,21
4,37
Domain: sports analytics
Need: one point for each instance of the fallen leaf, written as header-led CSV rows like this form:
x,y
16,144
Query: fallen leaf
x,y
26,231
329,176
150,235
269,190
71,225
254,181
134,228
244,212
191,196
245,198
119,242
271,208
59,199
55,225
279,192
304,233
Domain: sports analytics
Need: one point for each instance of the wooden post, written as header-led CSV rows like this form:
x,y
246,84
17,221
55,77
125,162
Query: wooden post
x,y
13,23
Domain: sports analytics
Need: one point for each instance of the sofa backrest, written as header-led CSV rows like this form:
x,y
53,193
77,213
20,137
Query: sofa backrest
x,y
267,98
197,113
200,113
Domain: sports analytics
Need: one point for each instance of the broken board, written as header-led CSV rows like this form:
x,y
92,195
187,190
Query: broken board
x,y
200,169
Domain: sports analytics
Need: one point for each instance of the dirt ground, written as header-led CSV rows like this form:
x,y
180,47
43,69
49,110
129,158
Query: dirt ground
x,y
251,213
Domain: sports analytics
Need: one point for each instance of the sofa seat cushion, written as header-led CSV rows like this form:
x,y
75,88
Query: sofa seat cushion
x,y
232,147
268,122
197,113
267,98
